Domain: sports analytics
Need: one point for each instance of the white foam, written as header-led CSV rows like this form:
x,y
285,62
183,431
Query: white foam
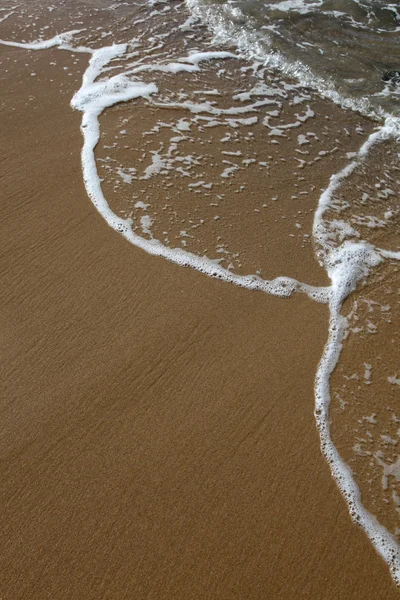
x,y
197,57
146,222
143,205
62,41
299,6
302,139
6,16
158,164
126,174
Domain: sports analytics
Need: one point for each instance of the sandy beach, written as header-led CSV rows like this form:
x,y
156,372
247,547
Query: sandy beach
x,y
158,438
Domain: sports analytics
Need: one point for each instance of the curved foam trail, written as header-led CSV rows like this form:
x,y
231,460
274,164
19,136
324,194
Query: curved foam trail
x,y
385,544
346,264
390,129
4,17
390,254
92,99
61,40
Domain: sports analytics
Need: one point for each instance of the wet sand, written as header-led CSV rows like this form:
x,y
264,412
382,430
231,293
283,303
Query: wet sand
x,y
157,436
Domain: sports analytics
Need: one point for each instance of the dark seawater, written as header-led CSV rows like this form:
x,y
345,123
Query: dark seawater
x,y
350,47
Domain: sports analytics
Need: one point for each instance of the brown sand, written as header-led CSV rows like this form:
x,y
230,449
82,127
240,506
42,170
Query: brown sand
x,y
157,436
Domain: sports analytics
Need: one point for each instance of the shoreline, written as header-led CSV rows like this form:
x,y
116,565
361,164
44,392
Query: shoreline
x,y
154,445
